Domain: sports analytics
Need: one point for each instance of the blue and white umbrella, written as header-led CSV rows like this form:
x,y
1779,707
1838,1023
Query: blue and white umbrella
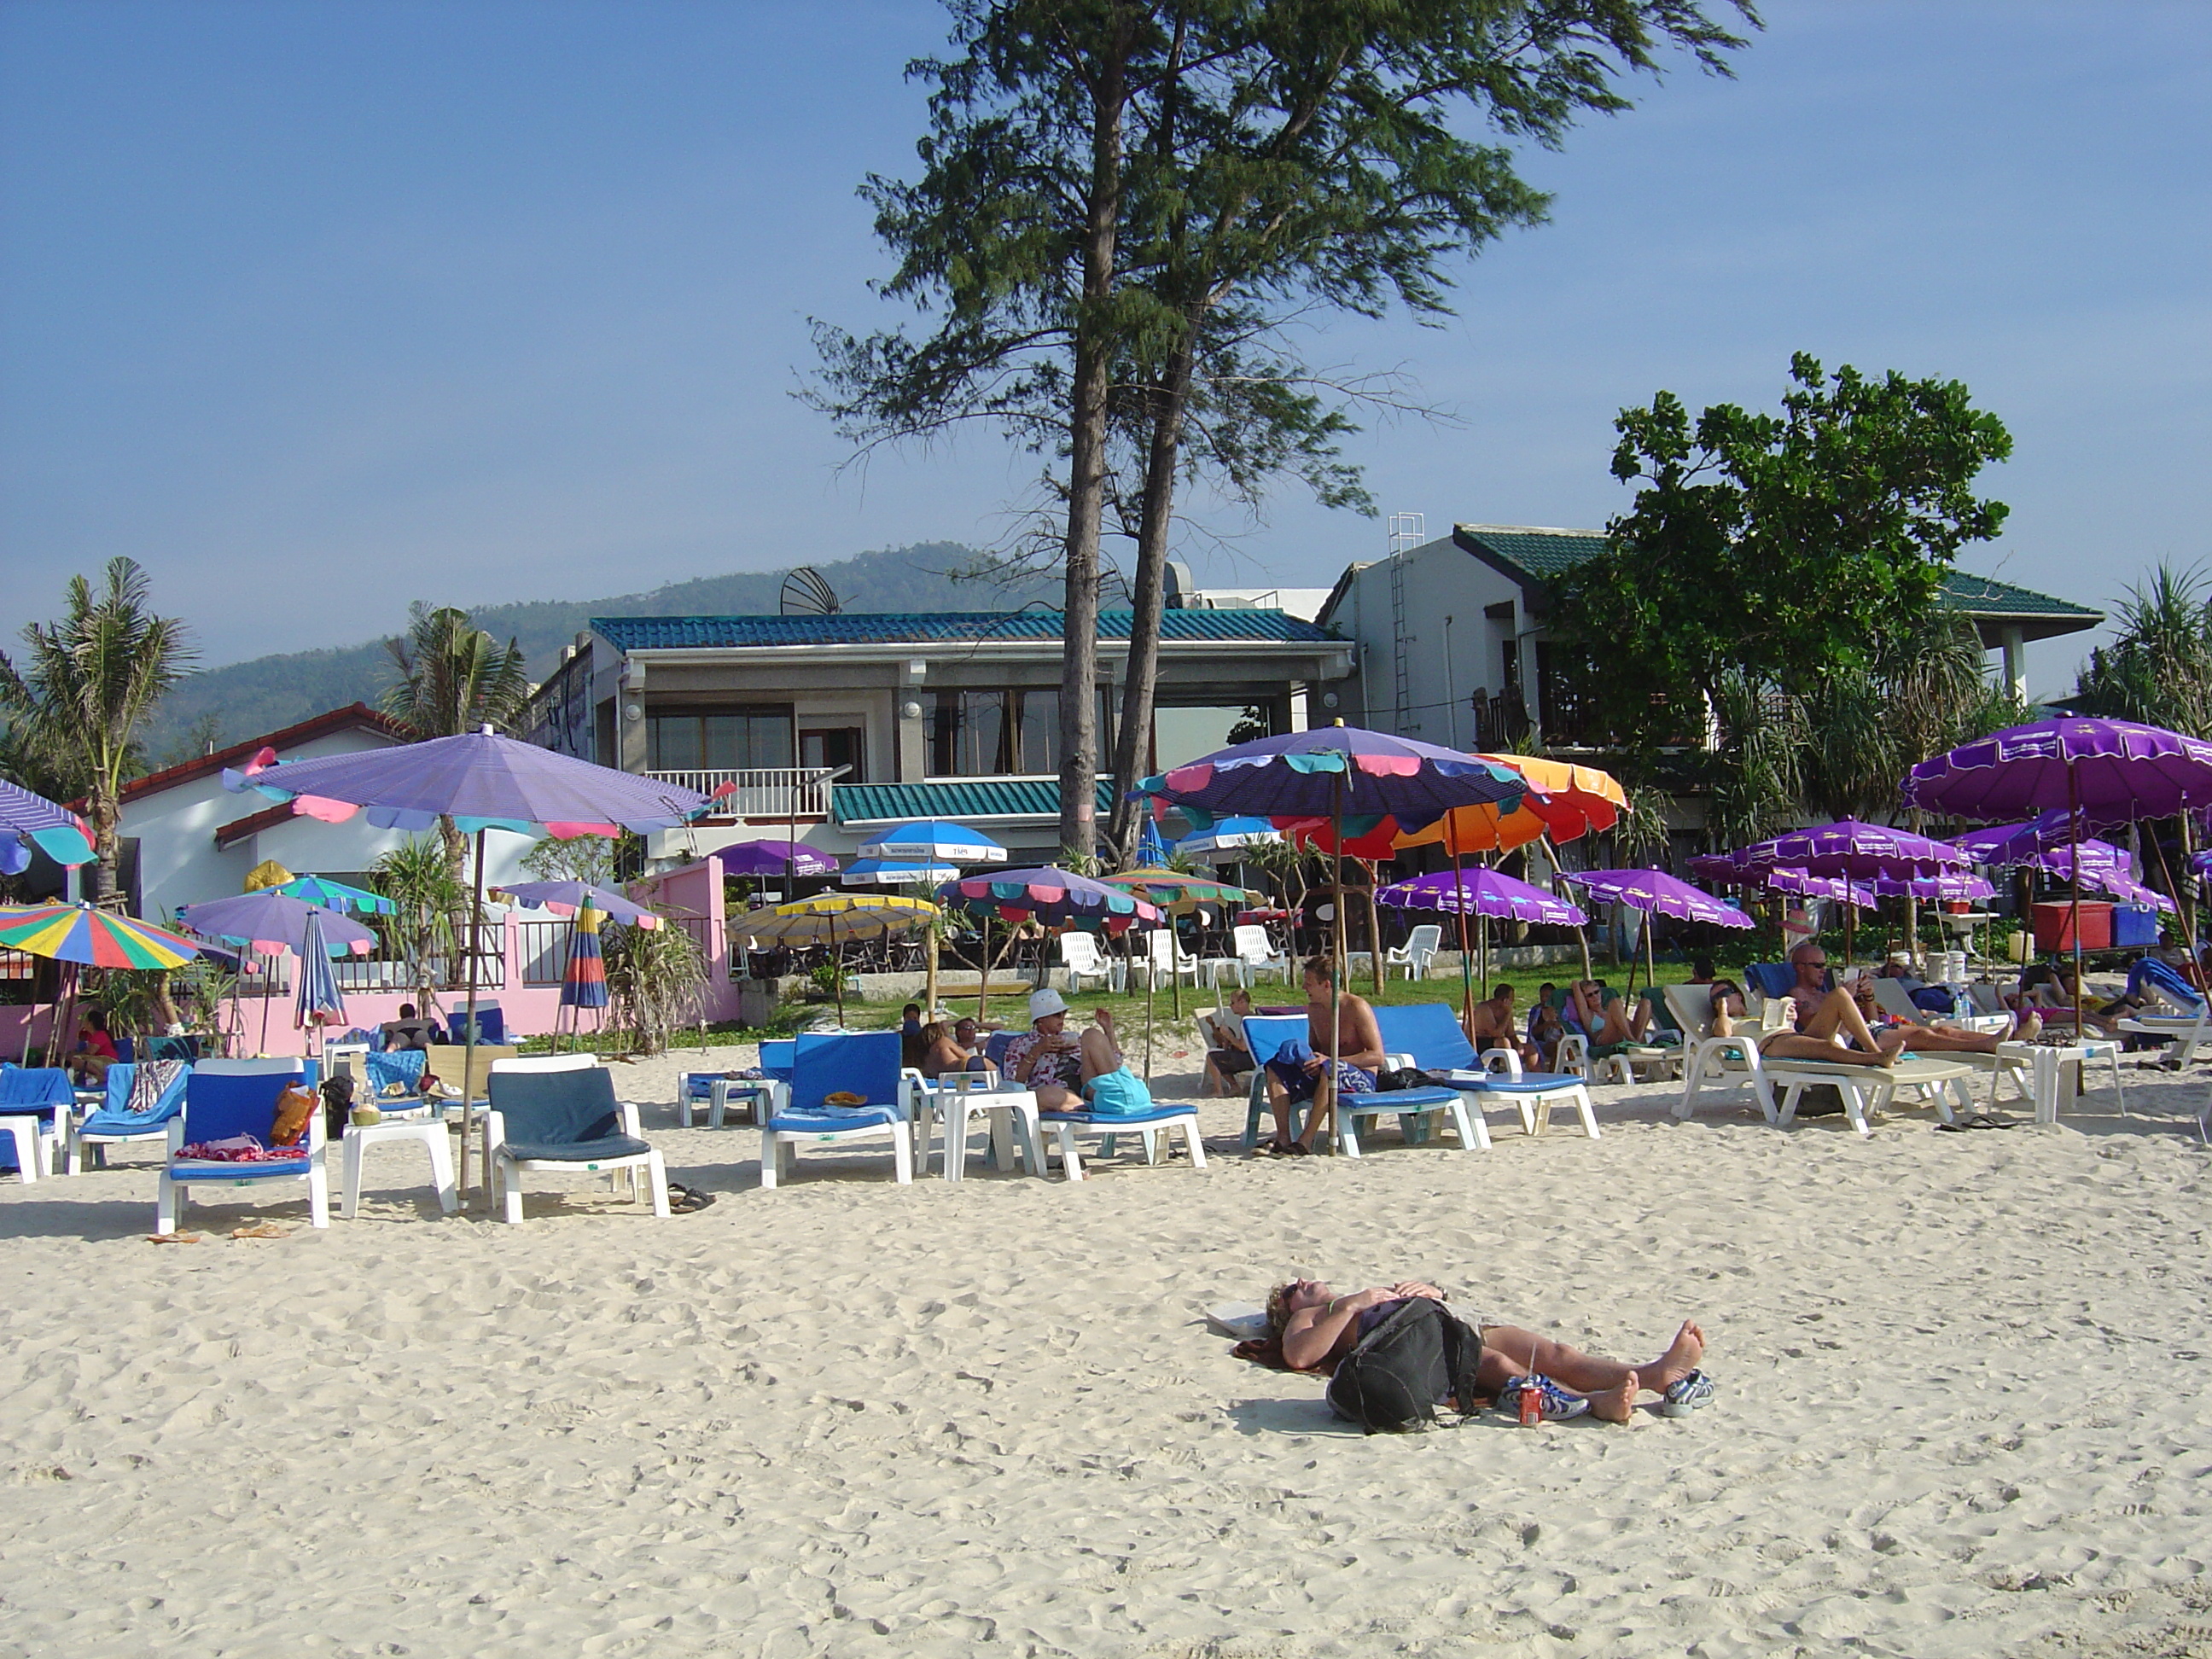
x,y
888,872
1228,839
319,1002
933,842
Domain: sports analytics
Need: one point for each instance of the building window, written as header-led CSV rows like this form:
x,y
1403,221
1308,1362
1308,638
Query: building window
x,y
997,733
841,746
718,739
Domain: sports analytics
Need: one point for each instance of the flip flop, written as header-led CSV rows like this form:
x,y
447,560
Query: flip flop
x,y
1686,1393
687,1200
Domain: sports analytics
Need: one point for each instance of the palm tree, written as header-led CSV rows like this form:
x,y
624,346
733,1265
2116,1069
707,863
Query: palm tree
x,y
91,679
453,677
429,901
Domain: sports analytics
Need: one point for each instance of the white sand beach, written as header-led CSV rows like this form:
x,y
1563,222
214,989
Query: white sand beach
x,y
1963,1406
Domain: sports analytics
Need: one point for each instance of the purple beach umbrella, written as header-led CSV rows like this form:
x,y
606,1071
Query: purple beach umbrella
x,y
1482,892
565,898
1851,849
1656,893
775,858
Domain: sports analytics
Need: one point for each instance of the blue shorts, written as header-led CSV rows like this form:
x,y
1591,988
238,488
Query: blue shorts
x,y
1288,1069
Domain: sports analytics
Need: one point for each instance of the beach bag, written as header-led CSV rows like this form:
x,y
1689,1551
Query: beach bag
x,y
1119,1093
294,1108
1422,1353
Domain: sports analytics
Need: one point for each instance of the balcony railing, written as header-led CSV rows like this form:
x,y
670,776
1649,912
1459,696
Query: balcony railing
x,y
763,792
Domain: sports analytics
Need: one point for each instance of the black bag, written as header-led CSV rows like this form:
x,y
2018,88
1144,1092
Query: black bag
x,y
1422,1353
338,1105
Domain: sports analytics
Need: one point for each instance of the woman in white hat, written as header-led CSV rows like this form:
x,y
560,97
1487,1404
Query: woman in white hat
x,y
1055,1062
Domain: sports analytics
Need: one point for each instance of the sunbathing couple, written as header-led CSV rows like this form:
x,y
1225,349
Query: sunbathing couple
x,y
1310,1328
1838,1025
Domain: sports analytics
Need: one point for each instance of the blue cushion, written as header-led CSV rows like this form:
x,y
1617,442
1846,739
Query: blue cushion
x,y
607,1147
214,1170
36,1085
828,1120
1430,1032
776,1055
550,1109
218,1106
1528,1082
1116,1120
864,1063
403,1066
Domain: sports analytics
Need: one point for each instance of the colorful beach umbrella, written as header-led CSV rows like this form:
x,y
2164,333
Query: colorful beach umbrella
x,y
888,872
934,842
93,938
28,820
273,922
317,1001
836,918
573,899
1175,891
1229,840
584,976
1565,802
1482,891
337,896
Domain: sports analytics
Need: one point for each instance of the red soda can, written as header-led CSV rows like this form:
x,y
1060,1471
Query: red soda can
x,y
1531,1403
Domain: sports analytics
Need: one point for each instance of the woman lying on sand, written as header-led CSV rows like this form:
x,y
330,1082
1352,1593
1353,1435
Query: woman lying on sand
x,y
1310,1328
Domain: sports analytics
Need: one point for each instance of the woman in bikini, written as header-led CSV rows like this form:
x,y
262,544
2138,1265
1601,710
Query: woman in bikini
x,y
1311,1327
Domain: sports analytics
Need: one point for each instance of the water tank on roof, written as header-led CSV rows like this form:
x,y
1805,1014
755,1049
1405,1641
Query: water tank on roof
x,y
1181,593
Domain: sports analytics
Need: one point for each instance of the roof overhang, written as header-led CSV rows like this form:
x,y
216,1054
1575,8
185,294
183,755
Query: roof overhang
x,y
1994,625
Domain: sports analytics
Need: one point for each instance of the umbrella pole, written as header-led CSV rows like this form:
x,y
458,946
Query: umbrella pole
x,y
1150,978
1466,961
2074,860
836,971
265,1009
469,1038
1337,955
1650,957
929,965
983,984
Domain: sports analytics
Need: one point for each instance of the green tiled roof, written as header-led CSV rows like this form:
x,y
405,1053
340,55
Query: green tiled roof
x,y
897,627
1538,556
959,800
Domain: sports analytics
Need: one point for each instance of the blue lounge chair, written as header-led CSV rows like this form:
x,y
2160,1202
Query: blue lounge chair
x,y
113,1123
1429,1035
36,1107
227,1097
1406,1043
864,1063
1165,1118
559,1114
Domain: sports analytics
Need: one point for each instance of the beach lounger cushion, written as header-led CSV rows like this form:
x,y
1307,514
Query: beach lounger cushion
x,y
562,1117
828,1120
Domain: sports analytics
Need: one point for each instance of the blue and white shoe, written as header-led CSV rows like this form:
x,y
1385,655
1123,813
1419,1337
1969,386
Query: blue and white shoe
x,y
1686,1393
1558,1404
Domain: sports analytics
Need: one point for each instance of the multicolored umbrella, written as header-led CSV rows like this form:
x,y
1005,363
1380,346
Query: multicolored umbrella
x,y
1057,898
1176,893
933,842
1482,892
273,922
1565,802
1656,893
28,820
584,976
775,857
886,872
2093,770
93,938
573,899
337,895
836,918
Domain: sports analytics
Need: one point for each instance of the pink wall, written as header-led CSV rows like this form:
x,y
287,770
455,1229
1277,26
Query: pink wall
x,y
695,891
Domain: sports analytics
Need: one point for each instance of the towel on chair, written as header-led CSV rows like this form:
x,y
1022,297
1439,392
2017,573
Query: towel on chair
x,y
152,1079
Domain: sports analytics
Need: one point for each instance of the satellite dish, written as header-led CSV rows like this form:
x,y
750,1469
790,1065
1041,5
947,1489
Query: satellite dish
x,y
806,594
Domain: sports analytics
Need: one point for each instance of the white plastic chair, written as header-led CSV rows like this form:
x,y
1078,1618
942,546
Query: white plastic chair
x,y
228,1104
1080,955
1163,954
504,1169
1253,956
1536,1094
1417,953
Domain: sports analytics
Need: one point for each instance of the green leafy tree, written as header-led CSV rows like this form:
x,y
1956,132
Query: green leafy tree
x,y
1111,190
431,907
1784,548
452,677
87,684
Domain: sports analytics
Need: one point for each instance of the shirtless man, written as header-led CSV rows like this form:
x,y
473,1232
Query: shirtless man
x,y
1811,990
1317,1327
1358,1043
1492,1026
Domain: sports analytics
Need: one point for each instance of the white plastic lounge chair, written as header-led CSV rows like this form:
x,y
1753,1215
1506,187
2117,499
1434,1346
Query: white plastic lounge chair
x,y
1080,955
111,1123
1152,1128
230,1098
1418,951
557,1114
1253,956
1865,1088
1537,1094
37,1109
864,1063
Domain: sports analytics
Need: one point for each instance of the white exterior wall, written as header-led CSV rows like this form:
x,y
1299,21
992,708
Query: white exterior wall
x,y
1451,647
179,864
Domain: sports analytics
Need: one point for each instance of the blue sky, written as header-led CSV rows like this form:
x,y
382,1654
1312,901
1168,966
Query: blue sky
x,y
318,308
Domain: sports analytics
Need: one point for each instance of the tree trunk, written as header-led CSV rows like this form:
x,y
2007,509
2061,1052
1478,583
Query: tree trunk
x,y
1086,463
107,849
1150,599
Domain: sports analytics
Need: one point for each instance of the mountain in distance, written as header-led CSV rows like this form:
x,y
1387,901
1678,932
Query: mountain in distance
x,y
242,700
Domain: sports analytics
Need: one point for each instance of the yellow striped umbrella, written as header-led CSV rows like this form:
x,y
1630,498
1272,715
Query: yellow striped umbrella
x,y
835,918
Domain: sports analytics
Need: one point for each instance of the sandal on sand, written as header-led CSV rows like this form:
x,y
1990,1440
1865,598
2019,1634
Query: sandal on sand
x,y
687,1200
1686,1393
1558,1404
1979,1121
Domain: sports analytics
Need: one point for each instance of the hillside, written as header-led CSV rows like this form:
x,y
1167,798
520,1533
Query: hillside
x,y
247,698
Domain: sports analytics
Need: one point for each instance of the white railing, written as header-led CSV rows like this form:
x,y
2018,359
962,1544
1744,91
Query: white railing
x,y
763,792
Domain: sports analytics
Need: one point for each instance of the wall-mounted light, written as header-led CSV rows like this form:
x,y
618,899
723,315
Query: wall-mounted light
x,y
634,711
911,711
1329,699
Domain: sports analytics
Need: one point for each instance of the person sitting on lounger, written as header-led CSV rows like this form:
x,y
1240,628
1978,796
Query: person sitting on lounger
x,y
94,1052
1834,1031
1602,1014
1228,1059
1057,1065
1546,1026
1312,1328
942,1052
1492,1026
1298,1073
1811,991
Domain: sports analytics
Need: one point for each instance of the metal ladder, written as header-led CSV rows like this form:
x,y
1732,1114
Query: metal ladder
x,y
1408,532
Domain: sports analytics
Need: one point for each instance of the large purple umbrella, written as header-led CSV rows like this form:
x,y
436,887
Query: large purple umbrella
x,y
28,820
2027,843
1841,889
482,781
1657,893
2094,770
2106,875
1852,849
1482,892
1951,884
775,858
565,898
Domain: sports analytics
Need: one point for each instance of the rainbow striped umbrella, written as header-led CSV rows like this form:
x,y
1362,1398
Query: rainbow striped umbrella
x,y
584,980
96,938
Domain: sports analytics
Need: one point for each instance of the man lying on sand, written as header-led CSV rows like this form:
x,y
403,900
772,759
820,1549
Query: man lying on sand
x,y
1312,1328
